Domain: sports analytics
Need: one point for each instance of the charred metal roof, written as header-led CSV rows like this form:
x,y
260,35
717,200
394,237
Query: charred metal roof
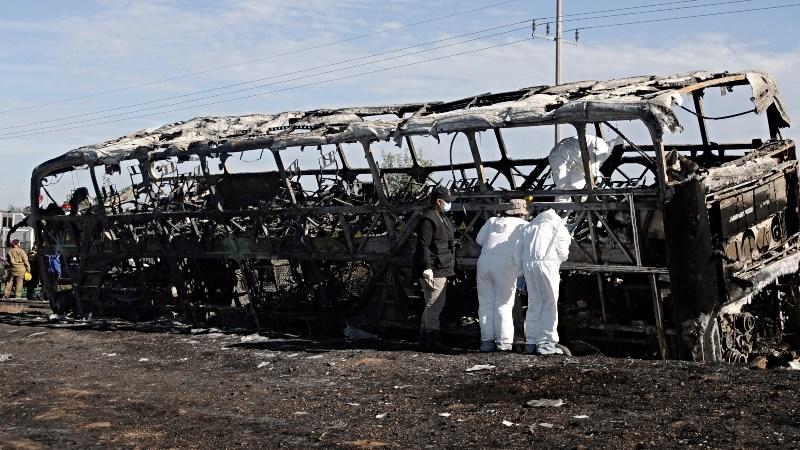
x,y
647,98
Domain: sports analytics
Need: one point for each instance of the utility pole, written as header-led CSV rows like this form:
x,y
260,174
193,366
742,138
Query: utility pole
x,y
558,55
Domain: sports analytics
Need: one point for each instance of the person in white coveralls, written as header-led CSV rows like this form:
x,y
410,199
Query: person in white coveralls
x,y
498,270
543,248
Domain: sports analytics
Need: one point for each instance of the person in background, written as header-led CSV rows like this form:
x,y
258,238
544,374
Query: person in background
x,y
434,262
498,270
18,266
53,264
544,247
30,286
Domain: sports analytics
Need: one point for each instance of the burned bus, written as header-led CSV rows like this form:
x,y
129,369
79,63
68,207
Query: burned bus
x,y
296,221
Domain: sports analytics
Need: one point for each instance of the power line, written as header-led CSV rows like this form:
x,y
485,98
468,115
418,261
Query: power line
x,y
312,75
677,8
315,83
327,44
265,58
229,86
59,127
621,9
693,16
243,83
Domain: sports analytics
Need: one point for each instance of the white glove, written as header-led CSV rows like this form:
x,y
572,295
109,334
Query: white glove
x,y
427,274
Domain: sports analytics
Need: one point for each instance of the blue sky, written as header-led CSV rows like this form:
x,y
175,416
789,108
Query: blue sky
x,y
56,50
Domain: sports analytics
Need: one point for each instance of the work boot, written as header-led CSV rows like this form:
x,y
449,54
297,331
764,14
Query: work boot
x,y
547,348
531,349
488,346
435,344
503,347
423,341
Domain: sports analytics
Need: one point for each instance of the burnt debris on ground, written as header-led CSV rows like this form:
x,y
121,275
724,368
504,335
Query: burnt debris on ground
x,y
66,388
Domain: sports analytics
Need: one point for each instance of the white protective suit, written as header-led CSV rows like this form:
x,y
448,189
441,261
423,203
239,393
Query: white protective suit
x,y
544,246
566,164
498,269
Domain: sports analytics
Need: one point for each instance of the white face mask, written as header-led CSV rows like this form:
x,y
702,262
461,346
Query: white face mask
x,y
446,206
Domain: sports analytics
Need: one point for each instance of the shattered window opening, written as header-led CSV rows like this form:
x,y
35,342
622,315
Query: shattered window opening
x,y
259,220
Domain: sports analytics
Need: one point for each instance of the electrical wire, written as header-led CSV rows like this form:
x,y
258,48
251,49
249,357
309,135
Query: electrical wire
x,y
262,86
265,58
243,83
149,83
315,83
729,116
678,8
59,127
620,9
453,141
693,16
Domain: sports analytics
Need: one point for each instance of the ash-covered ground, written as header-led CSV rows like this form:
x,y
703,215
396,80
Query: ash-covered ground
x,y
120,385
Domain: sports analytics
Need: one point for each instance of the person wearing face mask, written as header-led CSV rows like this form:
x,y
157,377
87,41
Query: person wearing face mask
x,y
434,262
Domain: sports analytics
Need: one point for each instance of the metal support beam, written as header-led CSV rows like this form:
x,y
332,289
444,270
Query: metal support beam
x,y
206,174
661,169
598,131
287,182
655,293
97,192
662,341
773,120
380,188
408,230
589,176
698,108
535,175
635,230
612,235
476,155
343,157
586,158
506,170
348,237
413,151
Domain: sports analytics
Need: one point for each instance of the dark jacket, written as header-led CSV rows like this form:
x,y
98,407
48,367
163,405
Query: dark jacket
x,y
435,244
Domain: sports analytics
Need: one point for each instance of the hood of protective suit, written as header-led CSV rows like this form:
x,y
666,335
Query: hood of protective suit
x,y
546,238
499,237
548,215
